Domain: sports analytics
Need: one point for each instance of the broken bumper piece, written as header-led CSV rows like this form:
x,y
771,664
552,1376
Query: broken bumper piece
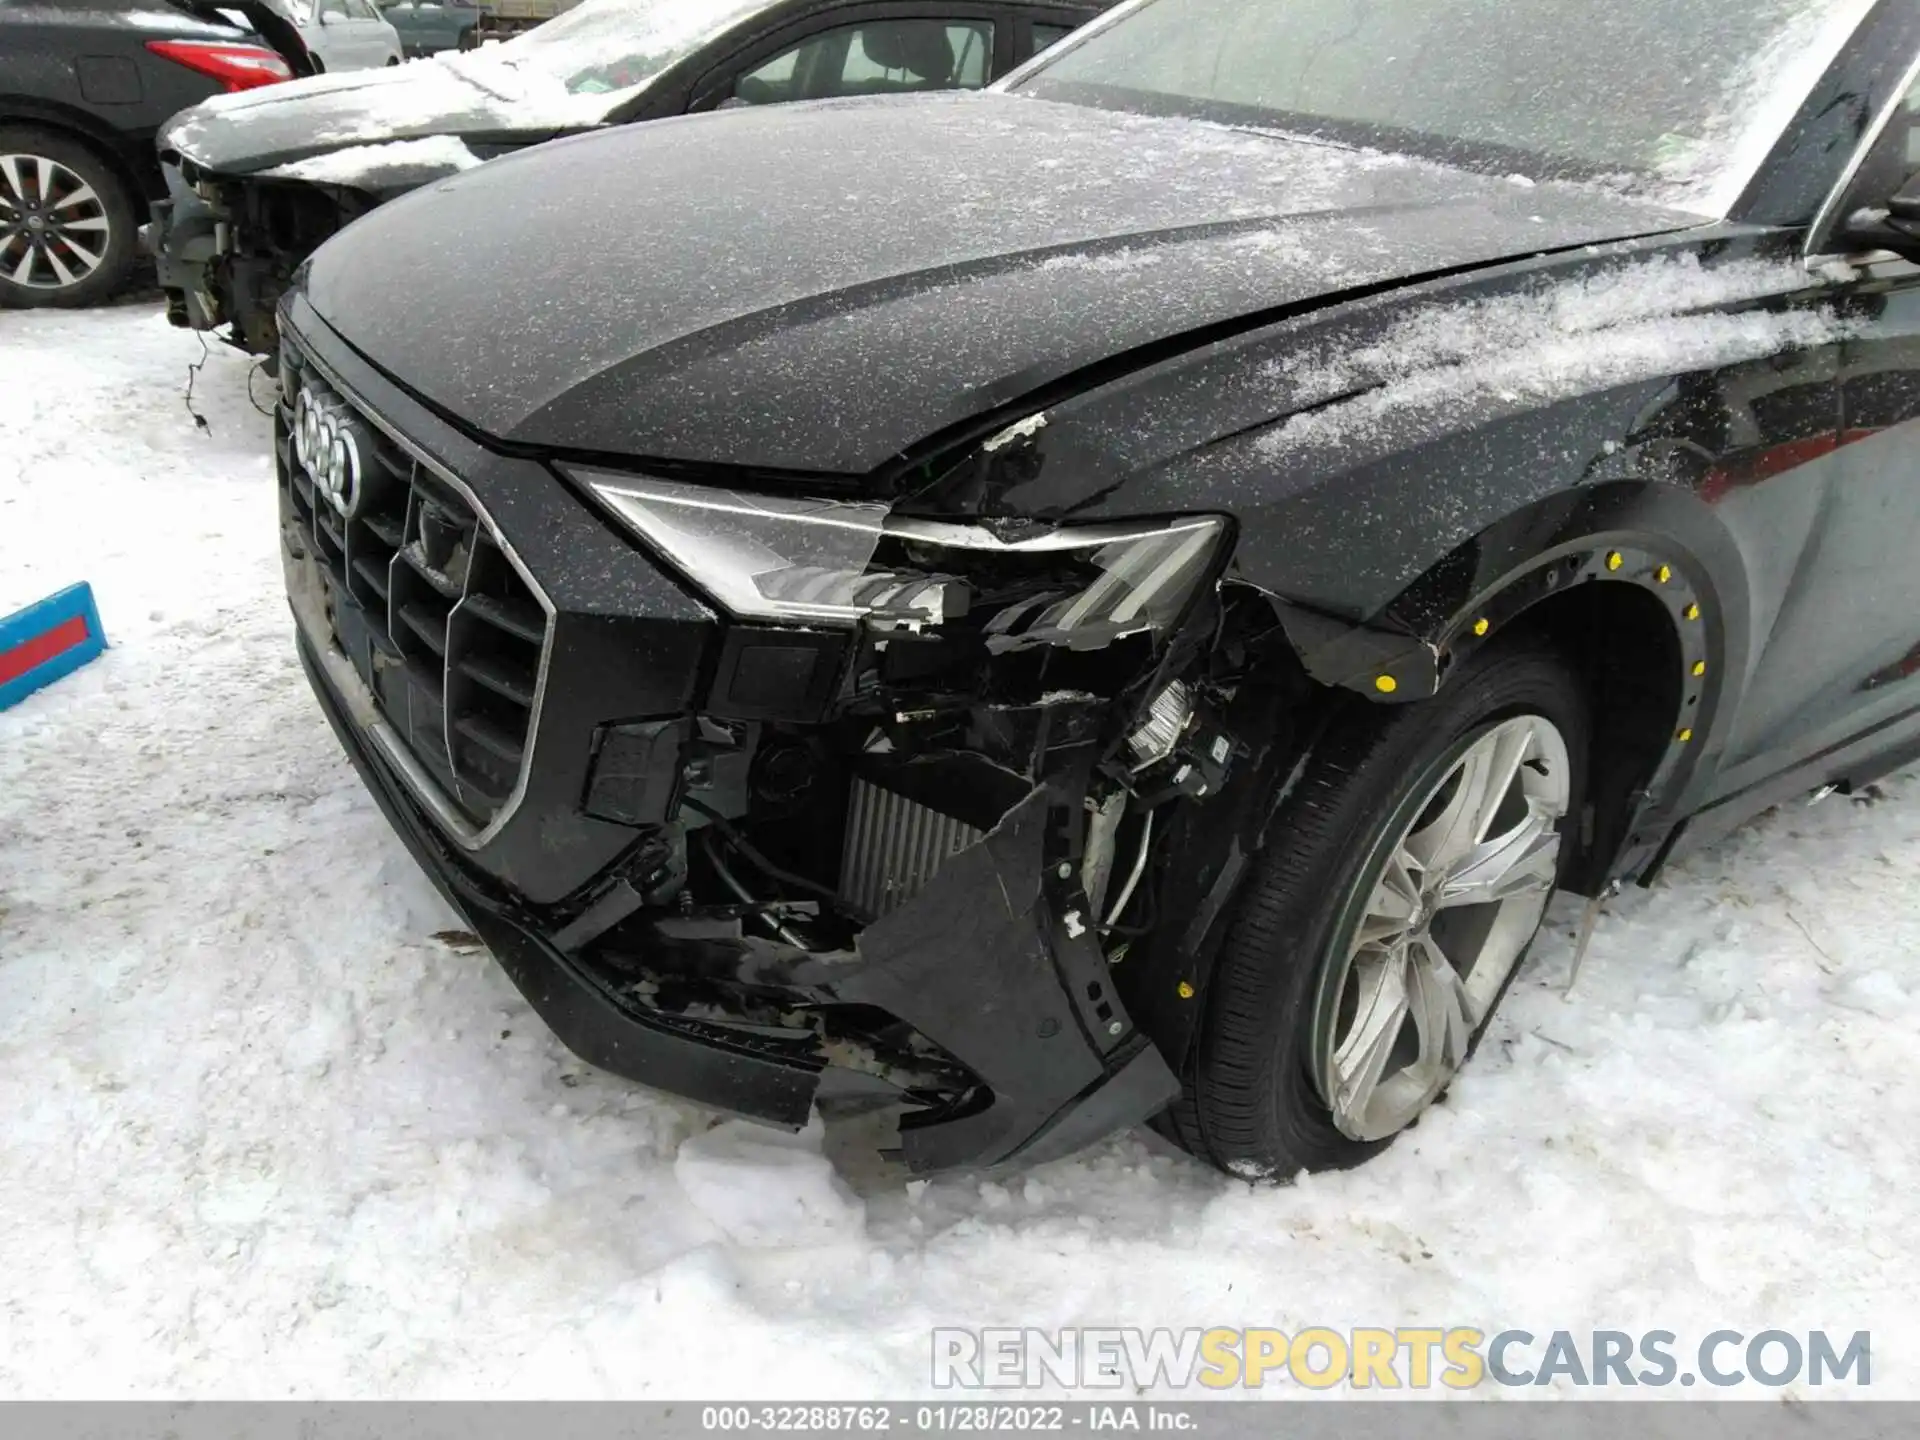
x,y
960,964
754,865
967,962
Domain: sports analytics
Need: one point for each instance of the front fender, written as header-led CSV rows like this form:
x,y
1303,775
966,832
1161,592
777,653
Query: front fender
x,y
1412,470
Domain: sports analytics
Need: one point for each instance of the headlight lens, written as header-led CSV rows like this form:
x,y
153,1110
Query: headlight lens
x,y
840,562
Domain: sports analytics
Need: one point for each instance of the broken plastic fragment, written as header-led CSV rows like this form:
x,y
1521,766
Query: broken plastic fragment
x,y
1019,430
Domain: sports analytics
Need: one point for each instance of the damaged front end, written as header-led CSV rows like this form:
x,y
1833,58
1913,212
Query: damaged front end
x,y
930,816
879,810
225,250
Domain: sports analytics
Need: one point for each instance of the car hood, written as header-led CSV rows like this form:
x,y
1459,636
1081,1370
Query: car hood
x,y
456,96
818,288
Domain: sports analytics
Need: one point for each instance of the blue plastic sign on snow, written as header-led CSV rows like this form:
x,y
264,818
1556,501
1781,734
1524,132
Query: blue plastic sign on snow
x,y
48,639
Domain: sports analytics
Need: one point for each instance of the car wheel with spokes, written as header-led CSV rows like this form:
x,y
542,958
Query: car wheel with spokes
x,y
66,222
1410,870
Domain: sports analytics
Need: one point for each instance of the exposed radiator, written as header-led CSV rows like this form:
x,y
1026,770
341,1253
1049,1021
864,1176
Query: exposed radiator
x,y
894,846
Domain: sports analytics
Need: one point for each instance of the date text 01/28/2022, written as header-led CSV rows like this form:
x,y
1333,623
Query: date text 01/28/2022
x,y
975,1419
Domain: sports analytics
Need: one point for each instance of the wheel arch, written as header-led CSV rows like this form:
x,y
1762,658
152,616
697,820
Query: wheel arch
x,y
1545,567
99,139
1639,585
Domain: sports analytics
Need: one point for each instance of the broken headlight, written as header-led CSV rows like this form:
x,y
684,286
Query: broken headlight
x,y
835,562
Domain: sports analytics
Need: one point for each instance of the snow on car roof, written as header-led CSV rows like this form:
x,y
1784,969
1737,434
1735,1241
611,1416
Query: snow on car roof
x,y
605,48
570,72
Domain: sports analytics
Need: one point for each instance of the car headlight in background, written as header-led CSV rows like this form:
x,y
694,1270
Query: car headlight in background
x,y
839,562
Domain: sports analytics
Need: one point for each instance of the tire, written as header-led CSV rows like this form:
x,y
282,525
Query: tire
x,y
1259,1096
319,65
82,247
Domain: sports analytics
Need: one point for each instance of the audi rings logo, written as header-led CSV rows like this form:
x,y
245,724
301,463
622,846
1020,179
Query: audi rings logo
x,y
328,443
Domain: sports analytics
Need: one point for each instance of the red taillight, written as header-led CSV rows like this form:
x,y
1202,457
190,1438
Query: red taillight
x,y
238,67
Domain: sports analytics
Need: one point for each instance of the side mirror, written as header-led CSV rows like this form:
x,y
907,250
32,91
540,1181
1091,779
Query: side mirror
x,y
1894,225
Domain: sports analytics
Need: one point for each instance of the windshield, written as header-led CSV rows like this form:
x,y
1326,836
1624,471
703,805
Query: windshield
x,y
1675,99
603,47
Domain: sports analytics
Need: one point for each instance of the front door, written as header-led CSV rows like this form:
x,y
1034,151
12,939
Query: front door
x,y
1842,656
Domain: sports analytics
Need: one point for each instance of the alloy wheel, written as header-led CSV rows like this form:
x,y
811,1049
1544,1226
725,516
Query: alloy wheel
x,y
1450,906
54,229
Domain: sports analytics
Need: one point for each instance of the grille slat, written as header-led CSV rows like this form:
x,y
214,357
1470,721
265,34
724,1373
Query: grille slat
x,y
496,740
329,527
389,530
373,575
431,628
443,628
522,619
411,557
503,679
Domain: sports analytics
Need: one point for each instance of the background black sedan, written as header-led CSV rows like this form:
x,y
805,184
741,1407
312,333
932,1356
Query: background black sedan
x,y
84,86
256,186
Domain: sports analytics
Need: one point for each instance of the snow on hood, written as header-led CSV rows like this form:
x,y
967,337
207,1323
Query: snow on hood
x,y
567,74
372,167
275,124
1639,322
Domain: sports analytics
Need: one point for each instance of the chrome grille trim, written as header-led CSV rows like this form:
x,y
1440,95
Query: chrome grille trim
x,y
894,846
339,666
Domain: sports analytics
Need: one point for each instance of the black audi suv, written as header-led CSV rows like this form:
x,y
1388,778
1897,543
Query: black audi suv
x,y
1124,595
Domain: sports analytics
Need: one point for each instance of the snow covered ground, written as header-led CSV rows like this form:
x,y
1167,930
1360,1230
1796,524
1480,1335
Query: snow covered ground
x,y
265,1135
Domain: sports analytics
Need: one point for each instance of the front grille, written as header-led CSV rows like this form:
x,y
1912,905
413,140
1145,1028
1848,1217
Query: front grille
x,y
426,604
894,846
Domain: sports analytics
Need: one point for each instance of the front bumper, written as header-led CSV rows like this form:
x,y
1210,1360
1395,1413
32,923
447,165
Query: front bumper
x,y
982,1004
184,237
587,1015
